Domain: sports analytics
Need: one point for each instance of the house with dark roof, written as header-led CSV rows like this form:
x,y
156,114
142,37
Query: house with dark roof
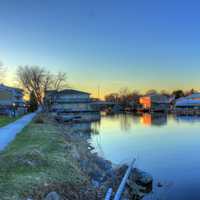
x,y
69,100
155,103
71,103
11,100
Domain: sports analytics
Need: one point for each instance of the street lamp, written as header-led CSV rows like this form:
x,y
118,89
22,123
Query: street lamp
x,y
14,109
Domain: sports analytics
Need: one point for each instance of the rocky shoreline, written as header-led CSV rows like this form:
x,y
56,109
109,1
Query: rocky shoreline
x,y
102,173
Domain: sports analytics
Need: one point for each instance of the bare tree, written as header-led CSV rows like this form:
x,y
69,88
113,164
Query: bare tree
x,y
32,78
38,80
165,93
60,81
2,72
151,92
113,97
48,82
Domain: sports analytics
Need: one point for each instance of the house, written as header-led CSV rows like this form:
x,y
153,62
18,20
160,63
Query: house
x,y
155,103
69,100
71,103
188,105
11,100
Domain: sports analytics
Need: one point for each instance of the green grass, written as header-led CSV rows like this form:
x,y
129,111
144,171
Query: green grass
x,y
37,162
4,120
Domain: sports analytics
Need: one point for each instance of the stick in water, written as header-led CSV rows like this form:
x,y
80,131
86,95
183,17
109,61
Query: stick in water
x,y
123,182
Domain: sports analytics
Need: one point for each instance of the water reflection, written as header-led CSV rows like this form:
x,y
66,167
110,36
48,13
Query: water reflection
x,y
170,153
189,119
157,119
127,120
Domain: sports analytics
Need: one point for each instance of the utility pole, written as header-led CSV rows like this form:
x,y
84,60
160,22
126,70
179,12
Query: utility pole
x,y
98,91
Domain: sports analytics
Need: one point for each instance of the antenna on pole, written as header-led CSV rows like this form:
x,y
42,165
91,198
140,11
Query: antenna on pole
x,y
98,91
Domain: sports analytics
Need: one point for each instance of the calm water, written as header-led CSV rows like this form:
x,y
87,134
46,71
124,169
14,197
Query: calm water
x,y
166,147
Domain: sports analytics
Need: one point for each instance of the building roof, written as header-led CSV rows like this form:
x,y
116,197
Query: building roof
x,y
191,100
195,95
188,102
71,91
157,98
3,87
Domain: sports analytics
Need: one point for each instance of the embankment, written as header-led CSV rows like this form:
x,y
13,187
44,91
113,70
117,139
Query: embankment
x,y
46,157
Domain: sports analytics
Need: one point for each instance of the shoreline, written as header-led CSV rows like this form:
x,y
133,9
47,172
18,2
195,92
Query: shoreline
x,y
49,159
105,174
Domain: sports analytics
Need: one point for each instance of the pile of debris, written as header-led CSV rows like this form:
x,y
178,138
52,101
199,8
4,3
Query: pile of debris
x,y
137,185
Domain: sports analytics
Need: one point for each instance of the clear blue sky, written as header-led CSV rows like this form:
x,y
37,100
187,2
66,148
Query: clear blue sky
x,y
141,44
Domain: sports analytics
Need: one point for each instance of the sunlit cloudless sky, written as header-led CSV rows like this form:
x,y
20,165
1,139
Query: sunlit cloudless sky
x,y
106,44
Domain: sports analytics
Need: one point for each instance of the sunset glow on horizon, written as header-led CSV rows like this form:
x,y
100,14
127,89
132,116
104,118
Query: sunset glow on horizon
x,y
104,46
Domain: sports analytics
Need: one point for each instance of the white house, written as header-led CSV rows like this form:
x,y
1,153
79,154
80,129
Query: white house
x,y
191,101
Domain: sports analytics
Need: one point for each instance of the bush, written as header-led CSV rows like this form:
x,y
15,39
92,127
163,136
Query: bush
x,y
39,120
33,104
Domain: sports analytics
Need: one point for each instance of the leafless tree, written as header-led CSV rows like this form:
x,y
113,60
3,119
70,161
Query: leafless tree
x,y
55,81
151,91
113,97
60,81
32,78
2,72
38,80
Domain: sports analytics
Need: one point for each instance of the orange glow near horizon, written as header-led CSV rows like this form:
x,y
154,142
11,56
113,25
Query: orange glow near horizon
x,y
96,92
146,119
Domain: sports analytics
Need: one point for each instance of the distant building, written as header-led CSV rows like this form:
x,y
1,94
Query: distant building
x,y
69,100
189,104
72,103
155,103
11,100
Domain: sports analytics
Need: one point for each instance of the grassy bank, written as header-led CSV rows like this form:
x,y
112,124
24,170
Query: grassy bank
x,y
37,162
4,120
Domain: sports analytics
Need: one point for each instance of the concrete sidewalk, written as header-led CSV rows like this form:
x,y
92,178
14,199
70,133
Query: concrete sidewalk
x,y
8,132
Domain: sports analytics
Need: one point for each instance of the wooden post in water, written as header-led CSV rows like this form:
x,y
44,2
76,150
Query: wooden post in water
x,y
123,182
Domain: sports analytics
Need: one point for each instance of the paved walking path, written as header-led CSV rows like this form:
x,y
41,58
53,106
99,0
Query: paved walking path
x,y
8,132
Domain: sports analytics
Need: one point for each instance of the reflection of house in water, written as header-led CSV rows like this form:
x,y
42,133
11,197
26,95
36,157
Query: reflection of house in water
x,y
187,118
153,119
124,119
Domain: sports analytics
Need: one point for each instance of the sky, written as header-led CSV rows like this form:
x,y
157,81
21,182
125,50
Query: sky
x,y
105,45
